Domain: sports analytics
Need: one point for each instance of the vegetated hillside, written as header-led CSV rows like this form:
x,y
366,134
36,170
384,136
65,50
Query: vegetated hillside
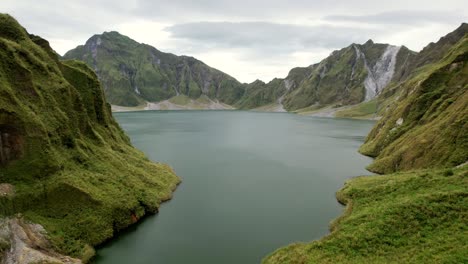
x,y
418,214
348,76
417,62
133,73
428,126
64,161
259,93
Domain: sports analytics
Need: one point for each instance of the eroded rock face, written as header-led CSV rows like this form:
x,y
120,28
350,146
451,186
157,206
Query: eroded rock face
x,y
381,73
27,243
11,144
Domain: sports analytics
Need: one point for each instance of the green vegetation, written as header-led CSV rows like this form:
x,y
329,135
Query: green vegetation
x,y
259,93
180,100
366,110
427,127
414,217
338,79
73,169
410,216
132,73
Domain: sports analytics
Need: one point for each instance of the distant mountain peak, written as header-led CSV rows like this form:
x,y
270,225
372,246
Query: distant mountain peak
x,y
133,73
112,32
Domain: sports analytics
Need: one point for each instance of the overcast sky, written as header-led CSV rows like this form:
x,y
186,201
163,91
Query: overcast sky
x,y
248,39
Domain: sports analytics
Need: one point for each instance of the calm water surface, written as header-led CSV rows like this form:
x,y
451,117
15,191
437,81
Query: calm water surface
x,y
252,182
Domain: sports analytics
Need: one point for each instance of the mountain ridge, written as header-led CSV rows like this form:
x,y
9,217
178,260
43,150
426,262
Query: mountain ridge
x,y
133,73
350,76
416,213
127,90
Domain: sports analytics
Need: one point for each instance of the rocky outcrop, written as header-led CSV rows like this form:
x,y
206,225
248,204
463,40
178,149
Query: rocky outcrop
x,y
27,243
382,73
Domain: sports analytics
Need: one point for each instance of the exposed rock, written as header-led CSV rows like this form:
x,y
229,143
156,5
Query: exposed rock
x,y
399,121
7,190
25,243
382,73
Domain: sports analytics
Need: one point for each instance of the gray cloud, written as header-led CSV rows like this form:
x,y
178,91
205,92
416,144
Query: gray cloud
x,y
292,31
202,10
403,17
269,37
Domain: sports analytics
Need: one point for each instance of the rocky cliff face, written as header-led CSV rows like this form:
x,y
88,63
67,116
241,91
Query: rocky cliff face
x,y
134,73
25,243
64,162
348,76
381,74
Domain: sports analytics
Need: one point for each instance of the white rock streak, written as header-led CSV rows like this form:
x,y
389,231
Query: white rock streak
x,y
382,73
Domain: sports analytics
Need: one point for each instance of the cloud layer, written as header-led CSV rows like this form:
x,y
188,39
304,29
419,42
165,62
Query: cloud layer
x,y
267,36
249,39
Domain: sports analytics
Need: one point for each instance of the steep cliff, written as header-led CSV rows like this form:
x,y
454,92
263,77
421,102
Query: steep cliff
x,y
348,76
411,64
65,163
133,73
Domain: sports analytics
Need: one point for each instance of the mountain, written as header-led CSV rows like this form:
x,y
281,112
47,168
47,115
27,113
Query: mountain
x,y
348,76
69,177
260,94
394,90
416,213
133,73
427,125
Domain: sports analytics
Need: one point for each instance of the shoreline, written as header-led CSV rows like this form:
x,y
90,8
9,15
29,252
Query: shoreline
x,y
135,224
326,112
370,229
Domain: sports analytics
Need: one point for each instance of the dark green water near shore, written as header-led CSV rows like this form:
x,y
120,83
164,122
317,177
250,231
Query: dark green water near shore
x,y
252,182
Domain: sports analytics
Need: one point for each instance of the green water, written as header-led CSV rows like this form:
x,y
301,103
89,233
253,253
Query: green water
x,y
252,182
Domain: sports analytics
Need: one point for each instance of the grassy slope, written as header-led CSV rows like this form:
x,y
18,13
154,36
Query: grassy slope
x,y
433,113
338,79
366,110
259,93
73,168
414,217
408,63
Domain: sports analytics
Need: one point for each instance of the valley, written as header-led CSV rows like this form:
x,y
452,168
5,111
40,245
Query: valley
x,y
74,186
